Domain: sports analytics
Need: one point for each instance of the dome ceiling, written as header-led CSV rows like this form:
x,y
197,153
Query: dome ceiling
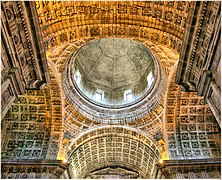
x,y
113,68
114,63
94,138
96,96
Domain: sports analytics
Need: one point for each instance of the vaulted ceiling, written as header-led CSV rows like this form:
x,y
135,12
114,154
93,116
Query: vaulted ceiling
x,y
55,122
160,22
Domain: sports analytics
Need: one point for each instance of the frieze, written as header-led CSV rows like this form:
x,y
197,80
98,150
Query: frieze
x,y
190,169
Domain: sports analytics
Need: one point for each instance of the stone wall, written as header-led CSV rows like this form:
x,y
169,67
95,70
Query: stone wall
x,y
34,169
191,128
32,127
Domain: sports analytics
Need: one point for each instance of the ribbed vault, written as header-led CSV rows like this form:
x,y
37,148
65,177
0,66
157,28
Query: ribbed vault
x,y
113,146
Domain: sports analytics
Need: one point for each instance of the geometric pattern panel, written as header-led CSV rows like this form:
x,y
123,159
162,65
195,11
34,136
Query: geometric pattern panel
x,y
32,127
56,116
190,169
192,130
204,174
67,21
113,146
74,122
121,31
26,128
37,169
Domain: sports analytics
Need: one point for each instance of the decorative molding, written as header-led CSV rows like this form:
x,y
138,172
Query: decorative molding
x,y
23,56
34,169
200,61
190,169
105,145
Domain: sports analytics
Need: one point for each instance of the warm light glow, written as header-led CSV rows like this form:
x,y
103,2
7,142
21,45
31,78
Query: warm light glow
x,y
48,54
161,161
64,160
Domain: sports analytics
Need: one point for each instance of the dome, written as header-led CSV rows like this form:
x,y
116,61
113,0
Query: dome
x,y
113,71
113,80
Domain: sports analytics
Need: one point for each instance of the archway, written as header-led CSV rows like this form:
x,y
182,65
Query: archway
x,y
105,149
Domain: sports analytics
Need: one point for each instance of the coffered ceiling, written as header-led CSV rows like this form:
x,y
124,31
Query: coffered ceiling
x,y
168,124
162,22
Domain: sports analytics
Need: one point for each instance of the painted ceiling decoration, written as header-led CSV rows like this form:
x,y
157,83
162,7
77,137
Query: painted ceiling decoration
x,y
120,99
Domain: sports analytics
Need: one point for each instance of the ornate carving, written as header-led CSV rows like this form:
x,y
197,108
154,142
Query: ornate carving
x,y
27,130
192,125
24,69
33,128
106,150
195,72
193,169
96,13
33,169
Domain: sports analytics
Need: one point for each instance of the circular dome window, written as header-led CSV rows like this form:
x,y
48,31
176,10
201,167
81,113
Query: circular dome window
x,y
113,71
113,80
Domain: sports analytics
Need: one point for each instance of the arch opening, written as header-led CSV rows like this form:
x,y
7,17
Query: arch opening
x,y
113,151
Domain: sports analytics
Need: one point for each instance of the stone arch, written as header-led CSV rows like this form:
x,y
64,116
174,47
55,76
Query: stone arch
x,y
113,145
162,22
75,122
